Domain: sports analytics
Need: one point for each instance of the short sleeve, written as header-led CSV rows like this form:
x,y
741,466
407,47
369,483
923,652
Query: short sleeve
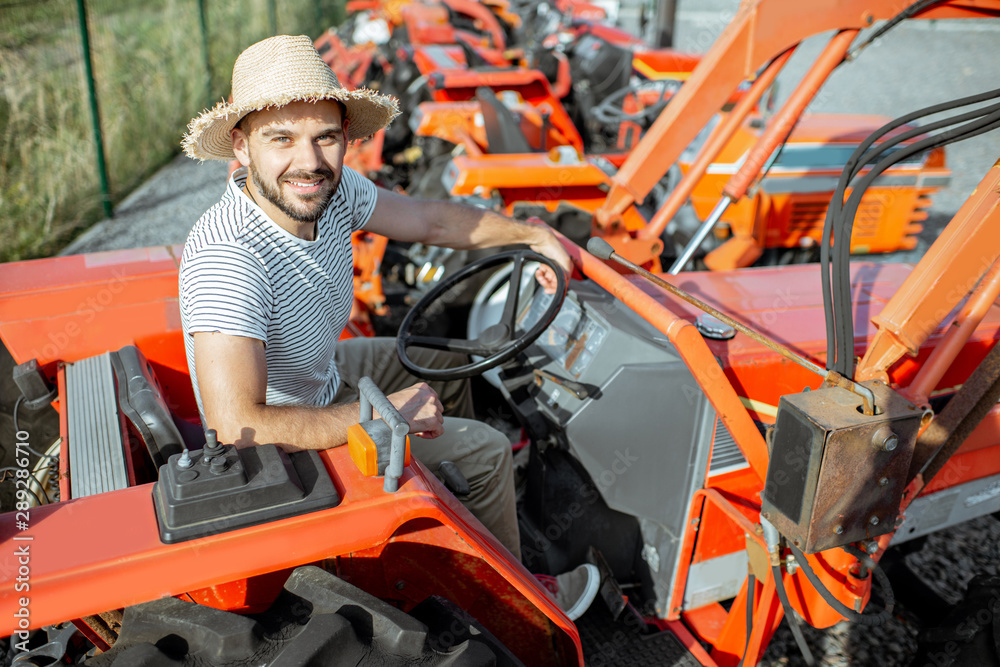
x,y
225,288
360,195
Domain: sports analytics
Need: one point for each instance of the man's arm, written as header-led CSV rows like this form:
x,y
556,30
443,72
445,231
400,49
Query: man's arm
x,y
461,227
232,380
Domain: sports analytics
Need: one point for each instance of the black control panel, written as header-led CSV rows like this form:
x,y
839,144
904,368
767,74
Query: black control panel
x,y
222,488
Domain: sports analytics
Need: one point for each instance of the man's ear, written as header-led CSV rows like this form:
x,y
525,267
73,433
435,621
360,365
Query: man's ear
x,y
241,146
344,124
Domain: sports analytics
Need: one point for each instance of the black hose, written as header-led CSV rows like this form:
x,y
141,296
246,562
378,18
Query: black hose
x,y
836,291
848,613
836,357
793,620
893,22
841,273
3,478
751,591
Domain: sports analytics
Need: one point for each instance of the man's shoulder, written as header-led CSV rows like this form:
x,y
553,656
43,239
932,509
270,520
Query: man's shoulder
x,y
352,204
226,224
352,186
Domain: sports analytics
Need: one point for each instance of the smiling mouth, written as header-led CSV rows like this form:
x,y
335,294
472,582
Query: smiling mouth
x,y
304,186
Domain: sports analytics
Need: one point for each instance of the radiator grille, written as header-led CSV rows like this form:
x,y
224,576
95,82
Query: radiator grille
x,y
806,216
726,456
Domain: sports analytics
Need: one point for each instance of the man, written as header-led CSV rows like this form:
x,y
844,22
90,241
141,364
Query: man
x,y
266,282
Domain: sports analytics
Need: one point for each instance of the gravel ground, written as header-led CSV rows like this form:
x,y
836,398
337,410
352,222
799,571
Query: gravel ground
x,y
946,59
947,562
161,211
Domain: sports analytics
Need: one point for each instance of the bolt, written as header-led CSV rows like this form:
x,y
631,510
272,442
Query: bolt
x,y
766,515
871,547
400,585
797,543
873,521
884,481
885,439
838,529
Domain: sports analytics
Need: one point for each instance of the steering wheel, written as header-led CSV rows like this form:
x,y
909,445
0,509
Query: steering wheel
x,y
497,343
611,112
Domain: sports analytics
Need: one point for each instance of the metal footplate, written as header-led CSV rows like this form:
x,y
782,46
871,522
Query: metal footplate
x,y
96,452
614,633
628,644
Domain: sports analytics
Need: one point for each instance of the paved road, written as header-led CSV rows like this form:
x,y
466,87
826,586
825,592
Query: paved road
x,y
161,211
917,64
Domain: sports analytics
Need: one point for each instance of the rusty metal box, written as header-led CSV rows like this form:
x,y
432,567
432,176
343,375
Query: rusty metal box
x,y
835,475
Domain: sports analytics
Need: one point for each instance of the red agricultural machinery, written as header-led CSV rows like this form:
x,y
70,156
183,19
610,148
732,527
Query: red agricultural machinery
x,y
730,448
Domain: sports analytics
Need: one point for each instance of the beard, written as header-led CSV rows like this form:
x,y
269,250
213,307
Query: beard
x,y
315,203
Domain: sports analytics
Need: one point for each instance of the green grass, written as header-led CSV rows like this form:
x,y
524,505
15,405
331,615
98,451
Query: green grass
x,y
150,79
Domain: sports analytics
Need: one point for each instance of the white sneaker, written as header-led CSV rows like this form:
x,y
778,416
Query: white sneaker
x,y
573,590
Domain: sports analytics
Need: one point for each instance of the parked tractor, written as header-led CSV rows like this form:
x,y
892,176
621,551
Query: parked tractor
x,y
729,448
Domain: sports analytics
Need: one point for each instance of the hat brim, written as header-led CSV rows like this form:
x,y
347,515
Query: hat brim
x,y
209,134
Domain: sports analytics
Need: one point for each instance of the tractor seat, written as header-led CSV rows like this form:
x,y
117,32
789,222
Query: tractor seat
x,y
503,132
100,390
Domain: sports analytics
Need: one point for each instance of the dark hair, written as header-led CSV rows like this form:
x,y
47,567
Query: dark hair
x,y
343,110
240,124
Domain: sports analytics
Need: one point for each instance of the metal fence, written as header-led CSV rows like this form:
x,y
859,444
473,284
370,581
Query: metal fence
x,y
95,95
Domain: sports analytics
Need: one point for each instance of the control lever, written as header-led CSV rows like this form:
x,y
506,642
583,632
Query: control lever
x,y
454,479
373,398
576,388
601,249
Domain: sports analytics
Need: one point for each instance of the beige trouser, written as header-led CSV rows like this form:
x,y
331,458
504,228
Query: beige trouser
x,y
482,453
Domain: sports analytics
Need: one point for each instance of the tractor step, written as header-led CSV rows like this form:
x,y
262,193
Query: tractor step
x,y
96,449
608,643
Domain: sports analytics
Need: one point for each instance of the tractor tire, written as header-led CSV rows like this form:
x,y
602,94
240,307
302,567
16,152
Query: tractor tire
x,y
318,620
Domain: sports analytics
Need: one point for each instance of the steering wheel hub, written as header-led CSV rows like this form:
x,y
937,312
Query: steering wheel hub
x,y
494,336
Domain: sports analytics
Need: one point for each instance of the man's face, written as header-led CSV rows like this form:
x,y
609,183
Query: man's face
x,y
295,155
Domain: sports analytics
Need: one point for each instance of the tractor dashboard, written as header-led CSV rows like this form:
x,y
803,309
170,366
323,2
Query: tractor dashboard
x,y
603,387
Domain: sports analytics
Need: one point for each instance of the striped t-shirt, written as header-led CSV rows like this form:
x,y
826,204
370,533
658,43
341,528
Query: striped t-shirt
x,y
243,275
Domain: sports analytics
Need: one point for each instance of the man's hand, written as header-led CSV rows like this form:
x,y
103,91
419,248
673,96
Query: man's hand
x,y
420,407
549,246
462,227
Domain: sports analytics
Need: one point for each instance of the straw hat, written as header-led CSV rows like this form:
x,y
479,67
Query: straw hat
x,y
272,73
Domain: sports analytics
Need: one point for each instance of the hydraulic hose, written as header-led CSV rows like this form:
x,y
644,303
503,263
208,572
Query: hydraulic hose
x,y
841,277
909,12
838,606
836,288
793,620
751,590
